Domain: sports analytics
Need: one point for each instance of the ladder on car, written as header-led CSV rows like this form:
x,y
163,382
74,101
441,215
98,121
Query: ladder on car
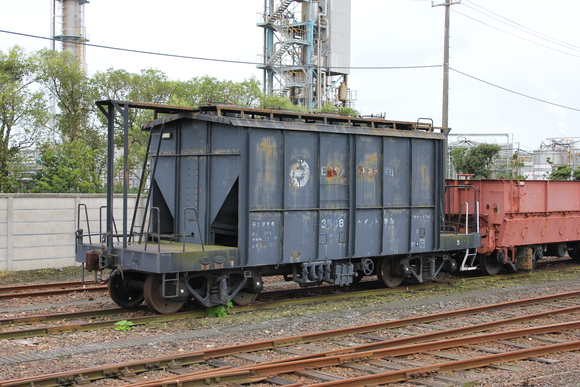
x,y
468,262
146,172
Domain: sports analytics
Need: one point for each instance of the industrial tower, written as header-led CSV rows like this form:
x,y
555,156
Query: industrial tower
x,y
72,32
306,54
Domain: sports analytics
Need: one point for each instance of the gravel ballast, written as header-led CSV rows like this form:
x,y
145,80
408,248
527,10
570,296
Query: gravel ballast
x,y
57,353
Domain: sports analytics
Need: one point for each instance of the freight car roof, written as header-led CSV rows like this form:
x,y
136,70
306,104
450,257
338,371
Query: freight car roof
x,y
269,118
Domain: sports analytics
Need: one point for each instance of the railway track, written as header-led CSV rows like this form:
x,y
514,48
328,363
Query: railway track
x,y
49,289
107,318
58,288
87,320
368,354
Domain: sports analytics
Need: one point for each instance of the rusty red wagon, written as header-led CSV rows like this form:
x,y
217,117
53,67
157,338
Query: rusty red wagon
x,y
519,221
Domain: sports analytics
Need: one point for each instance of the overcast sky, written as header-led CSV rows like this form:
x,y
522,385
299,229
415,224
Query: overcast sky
x,y
540,58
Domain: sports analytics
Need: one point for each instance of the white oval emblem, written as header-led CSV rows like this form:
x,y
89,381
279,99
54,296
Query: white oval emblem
x,y
299,174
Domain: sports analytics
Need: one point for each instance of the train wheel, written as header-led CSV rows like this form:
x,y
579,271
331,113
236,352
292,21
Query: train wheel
x,y
441,276
244,298
154,299
574,252
490,264
385,276
538,255
122,293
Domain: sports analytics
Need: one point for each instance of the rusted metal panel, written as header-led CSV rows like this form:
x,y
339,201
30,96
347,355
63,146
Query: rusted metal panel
x,y
334,171
397,169
300,161
266,170
424,160
519,213
369,174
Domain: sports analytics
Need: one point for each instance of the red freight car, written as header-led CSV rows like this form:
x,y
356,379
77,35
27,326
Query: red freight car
x,y
519,221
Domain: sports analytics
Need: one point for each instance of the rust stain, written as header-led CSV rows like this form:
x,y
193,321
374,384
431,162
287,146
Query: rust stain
x,y
369,169
295,256
334,170
330,172
369,172
372,172
266,152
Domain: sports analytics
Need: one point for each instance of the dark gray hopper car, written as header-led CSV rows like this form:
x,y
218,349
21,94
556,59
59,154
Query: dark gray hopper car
x,y
237,194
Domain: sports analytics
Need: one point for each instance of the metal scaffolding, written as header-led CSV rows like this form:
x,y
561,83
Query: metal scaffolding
x,y
306,54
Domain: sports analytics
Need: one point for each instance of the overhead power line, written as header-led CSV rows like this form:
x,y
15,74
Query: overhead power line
x,y
132,50
517,36
519,26
209,59
515,92
253,63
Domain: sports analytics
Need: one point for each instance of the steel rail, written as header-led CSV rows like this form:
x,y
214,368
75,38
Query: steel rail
x,y
170,362
22,291
67,316
47,285
46,293
261,303
453,332
144,320
458,365
259,372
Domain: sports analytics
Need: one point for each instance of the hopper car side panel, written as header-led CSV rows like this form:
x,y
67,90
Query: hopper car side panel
x,y
297,195
236,194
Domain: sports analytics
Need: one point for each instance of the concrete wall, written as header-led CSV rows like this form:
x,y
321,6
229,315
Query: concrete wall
x,y
37,230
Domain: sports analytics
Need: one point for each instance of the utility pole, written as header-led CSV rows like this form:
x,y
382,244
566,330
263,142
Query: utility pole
x,y
445,113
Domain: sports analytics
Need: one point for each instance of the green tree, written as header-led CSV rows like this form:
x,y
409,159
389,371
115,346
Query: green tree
x,y
512,171
279,102
343,111
203,90
60,73
476,161
149,85
348,112
70,167
563,172
23,114
154,86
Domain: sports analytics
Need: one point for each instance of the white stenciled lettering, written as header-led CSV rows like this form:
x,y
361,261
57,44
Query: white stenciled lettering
x,y
332,223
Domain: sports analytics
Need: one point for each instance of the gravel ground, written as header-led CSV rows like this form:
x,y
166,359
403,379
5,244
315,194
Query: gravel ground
x,y
43,355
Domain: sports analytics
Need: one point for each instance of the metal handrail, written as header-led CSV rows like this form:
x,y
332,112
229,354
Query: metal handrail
x,y
158,229
198,226
114,224
86,218
475,224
